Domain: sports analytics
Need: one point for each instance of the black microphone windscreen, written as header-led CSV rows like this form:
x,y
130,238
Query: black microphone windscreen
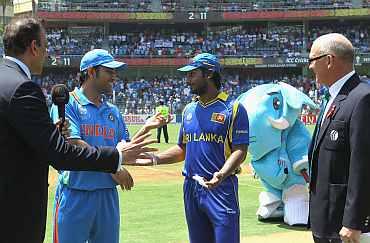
x,y
60,94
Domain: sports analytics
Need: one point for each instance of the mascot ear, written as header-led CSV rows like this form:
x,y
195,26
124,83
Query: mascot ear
x,y
295,98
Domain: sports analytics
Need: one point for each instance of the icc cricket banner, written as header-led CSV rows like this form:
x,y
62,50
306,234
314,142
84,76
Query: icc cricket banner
x,y
133,119
309,119
295,14
55,15
249,62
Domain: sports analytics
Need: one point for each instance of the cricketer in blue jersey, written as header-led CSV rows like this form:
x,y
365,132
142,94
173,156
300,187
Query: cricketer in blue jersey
x,y
213,140
86,203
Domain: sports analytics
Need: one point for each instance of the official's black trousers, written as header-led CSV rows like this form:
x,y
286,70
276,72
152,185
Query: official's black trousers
x,y
326,240
165,133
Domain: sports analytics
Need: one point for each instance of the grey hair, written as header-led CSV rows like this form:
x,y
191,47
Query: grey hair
x,y
338,45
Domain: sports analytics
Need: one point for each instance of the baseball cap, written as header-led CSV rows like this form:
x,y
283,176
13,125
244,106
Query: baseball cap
x,y
204,60
98,57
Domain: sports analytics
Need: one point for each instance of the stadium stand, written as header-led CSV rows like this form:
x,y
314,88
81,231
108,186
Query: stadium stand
x,y
199,5
140,95
231,41
258,41
238,40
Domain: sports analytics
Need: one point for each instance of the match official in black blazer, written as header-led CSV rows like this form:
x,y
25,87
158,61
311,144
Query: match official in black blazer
x,y
339,154
30,142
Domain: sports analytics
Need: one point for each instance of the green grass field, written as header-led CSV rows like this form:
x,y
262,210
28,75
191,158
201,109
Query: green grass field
x,y
153,210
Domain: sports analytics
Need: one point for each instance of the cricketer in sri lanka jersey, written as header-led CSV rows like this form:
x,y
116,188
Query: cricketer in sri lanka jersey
x,y
213,140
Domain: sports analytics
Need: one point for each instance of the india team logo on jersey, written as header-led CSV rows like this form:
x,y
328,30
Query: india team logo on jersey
x,y
218,117
111,117
83,112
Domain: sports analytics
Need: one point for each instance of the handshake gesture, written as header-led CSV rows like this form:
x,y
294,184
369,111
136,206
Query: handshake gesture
x,y
137,149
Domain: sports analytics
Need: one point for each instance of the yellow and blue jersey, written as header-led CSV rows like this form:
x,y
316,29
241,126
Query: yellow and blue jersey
x,y
208,131
97,126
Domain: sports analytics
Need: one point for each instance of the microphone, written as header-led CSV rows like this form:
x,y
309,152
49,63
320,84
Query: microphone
x,y
60,97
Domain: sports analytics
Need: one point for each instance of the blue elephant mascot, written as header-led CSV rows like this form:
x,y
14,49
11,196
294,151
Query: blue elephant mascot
x,y
279,144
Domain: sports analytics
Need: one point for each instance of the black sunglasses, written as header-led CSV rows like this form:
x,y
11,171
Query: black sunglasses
x,y
317,58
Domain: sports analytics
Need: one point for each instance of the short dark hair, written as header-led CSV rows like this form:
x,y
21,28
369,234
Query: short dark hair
x,y
84,75
215,77
19,34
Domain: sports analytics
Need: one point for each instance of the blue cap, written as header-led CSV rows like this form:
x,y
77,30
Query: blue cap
x,y
98,57
204,60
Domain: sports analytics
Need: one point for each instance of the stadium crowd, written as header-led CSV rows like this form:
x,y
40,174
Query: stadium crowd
x,y
199,5
228,41
141,95
252,41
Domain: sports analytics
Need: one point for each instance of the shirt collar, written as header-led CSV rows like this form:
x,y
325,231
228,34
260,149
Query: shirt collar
x,y
337,86
21,65
82,99
221,96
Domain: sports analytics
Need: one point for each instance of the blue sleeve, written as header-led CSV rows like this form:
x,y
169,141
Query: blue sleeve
x,y
74,120
122,129
54,113
180,140
240,125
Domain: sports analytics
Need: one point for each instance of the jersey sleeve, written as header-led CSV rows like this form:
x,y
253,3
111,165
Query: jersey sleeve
x,y
122,129
181,139
54,113
240,125
74,120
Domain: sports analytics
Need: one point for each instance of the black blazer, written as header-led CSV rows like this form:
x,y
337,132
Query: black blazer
x,y
29,143
340,164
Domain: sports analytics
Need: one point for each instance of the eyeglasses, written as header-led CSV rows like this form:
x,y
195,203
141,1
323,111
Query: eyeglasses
x,y
317,58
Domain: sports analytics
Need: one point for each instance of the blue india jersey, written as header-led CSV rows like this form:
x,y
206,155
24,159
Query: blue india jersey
x,y
97,126
208,131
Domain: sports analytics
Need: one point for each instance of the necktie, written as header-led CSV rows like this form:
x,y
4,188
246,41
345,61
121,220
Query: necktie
x,y
324,102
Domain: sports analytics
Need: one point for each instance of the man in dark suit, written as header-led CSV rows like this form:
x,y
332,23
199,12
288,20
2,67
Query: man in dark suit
x,y
339,154
29,141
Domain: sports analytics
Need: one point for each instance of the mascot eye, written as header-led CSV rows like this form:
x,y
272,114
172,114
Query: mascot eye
x,y
276,103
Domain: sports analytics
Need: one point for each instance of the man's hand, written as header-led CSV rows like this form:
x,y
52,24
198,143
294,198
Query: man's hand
x,y
124,179
156,121
66,132
147,159
136,149
350,235
215,181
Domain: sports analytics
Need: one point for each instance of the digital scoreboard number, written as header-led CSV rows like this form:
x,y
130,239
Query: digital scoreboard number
x,y
193,16
197,15
55,61
63,61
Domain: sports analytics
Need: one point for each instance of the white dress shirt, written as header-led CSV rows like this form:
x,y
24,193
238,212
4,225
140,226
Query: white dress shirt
x,y
21,65
334,91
